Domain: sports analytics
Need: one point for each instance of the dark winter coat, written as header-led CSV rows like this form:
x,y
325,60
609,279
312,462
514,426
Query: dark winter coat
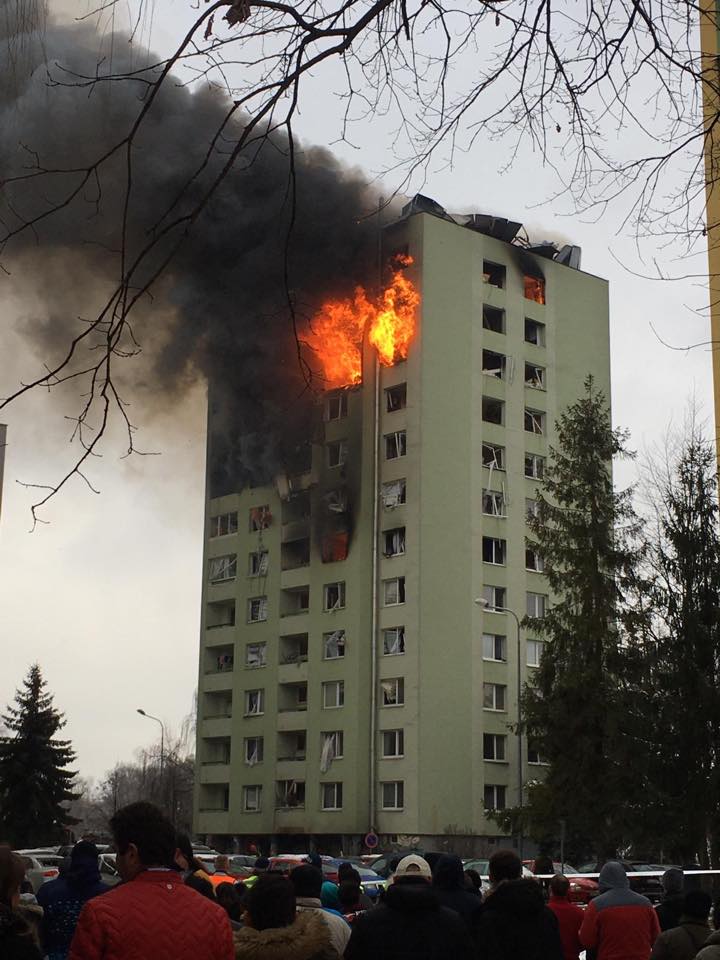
x,y
682,942
16,939
669,910
307,938
62,900
449,885
711,950
409,924
515,924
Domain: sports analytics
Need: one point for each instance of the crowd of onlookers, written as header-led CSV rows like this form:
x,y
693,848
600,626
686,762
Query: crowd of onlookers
x,y
168,908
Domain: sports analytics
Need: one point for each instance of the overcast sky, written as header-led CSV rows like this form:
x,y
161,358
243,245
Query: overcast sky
x,y
106,597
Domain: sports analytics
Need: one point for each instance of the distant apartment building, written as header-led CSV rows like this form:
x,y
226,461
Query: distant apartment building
x,y
349,681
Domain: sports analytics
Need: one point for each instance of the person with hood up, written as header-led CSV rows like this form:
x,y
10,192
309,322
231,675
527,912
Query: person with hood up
x,y
452,891
684,941
711,950
410,921
569,916
619,924
274,931
63,899
16,939
671,906
514,923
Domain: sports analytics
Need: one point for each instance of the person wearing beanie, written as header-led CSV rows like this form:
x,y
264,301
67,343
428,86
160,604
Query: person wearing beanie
x,y
410,921
670,907
619,924
569,916
452,891
63,899
307,882
684,941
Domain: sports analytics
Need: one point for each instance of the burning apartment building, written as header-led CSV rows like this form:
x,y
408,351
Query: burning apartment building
x,y
349,680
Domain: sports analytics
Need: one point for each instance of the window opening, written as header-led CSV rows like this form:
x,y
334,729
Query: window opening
x,y
534,289
494,274
260,518
252,796
393,692
535,421
254,702
494,647
333,547
532,508
533,560
534,755
394,542
534,466
393,493
223,568
493,364
254,750
492,410
331,796
493,746
393,744
394,591
258,563
534,652
493,319
494,696
334,645
396,397
493,456
336,407
534,376
494,796
534,332
334,596
223,524
493,550
395,445
536,605
393,641
290,793
493,503
333,692
393,794
257,609
337,453
494,598
256,655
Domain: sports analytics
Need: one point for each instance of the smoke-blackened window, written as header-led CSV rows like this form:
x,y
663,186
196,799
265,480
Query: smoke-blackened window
x,y
336,406
260,518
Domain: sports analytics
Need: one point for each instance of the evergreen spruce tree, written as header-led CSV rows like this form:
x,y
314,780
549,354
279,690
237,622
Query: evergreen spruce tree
x,y
35,782
576,713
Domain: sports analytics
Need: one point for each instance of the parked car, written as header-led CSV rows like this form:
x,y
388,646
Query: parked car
x,y
40,867
649,887
370,881
582,889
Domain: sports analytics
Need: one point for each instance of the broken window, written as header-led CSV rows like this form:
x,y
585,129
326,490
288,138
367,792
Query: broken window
x,y
223,524
493,456
392,794
534,466
393,641
257,609
394,542
395,445
333,694
494,746
493,319
254,750
534,376
295,554
393,744
534,332
334,595
334,546
494,598
223,568
393,493
494,796
336,500
258,563
224,662
260,518
534,289
494,274
252,798
332,742
331,796
494,696
294,648
492,410
254,702
396,397
493,550
393,692
336,407
534,652
256,655
394,591
534,421
289,793
493,364
534,755
336,453
536,605
532,508
533,560
493,503
494,647
334,645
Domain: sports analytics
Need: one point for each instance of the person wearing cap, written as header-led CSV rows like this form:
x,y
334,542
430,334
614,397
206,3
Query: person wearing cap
x,y
619,924
63,899
684,941
671,906
410,921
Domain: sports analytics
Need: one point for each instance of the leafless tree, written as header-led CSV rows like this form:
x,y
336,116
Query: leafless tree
x,y
609,92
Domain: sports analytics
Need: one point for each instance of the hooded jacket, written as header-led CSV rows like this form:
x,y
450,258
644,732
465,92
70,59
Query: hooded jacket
x,y
409,924
619,924
711,950
16,940
307,938
515,924
449,885
62,900
670,908
683,941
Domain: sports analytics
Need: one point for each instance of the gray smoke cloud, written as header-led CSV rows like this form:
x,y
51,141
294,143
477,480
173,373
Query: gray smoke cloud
x,y
220,310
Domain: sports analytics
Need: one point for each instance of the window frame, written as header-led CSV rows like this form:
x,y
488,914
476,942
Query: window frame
x,y
486,402
494,547
493,356
256,666
491,687
500,271
399,389
341,399
400,638
341,446
538,461
539,327
400,591
260,746
386,494
337,789
230,566
492,607
537,420
538,646
541,383
538,564
399,692
494,637
399,439
341,601
398,792
495,787
261,702
339,686
256,558
257,787
399,741
216,520
496,448
536,596
497,738
341,641
497,499
398,534
263,609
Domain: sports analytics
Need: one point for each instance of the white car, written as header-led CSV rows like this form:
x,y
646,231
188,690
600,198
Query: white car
x,y
40,867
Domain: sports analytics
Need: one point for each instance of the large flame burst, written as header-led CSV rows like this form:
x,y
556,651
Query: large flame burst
x,y
337,329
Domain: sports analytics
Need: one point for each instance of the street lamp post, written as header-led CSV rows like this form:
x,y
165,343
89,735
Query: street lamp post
x,y
482,602
162,745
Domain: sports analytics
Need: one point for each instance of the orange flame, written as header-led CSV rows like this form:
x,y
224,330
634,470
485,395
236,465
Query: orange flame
x,y
337,329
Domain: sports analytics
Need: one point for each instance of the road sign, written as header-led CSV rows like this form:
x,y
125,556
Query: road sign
x,y
371,841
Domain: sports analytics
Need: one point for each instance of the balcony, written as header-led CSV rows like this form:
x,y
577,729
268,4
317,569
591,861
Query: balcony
x,y
217,680
216,726
298,529
293,672
219,636
213,821
214,772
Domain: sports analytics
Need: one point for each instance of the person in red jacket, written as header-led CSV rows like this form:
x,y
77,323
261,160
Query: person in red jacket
x,y
619,924
569,916
153,915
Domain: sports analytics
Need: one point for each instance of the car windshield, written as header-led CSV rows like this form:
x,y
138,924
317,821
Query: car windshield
x,y
480,865
52,861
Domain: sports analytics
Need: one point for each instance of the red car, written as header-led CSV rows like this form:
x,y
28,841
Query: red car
x,y
582,889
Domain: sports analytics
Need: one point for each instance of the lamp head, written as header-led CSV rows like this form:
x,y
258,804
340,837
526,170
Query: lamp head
x,y
141,712
481,601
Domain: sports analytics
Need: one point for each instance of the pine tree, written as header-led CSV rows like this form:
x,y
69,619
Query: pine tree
x,y
35,783
576,713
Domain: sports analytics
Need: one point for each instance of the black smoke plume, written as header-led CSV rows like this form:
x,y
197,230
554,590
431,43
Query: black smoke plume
x,y
220,310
